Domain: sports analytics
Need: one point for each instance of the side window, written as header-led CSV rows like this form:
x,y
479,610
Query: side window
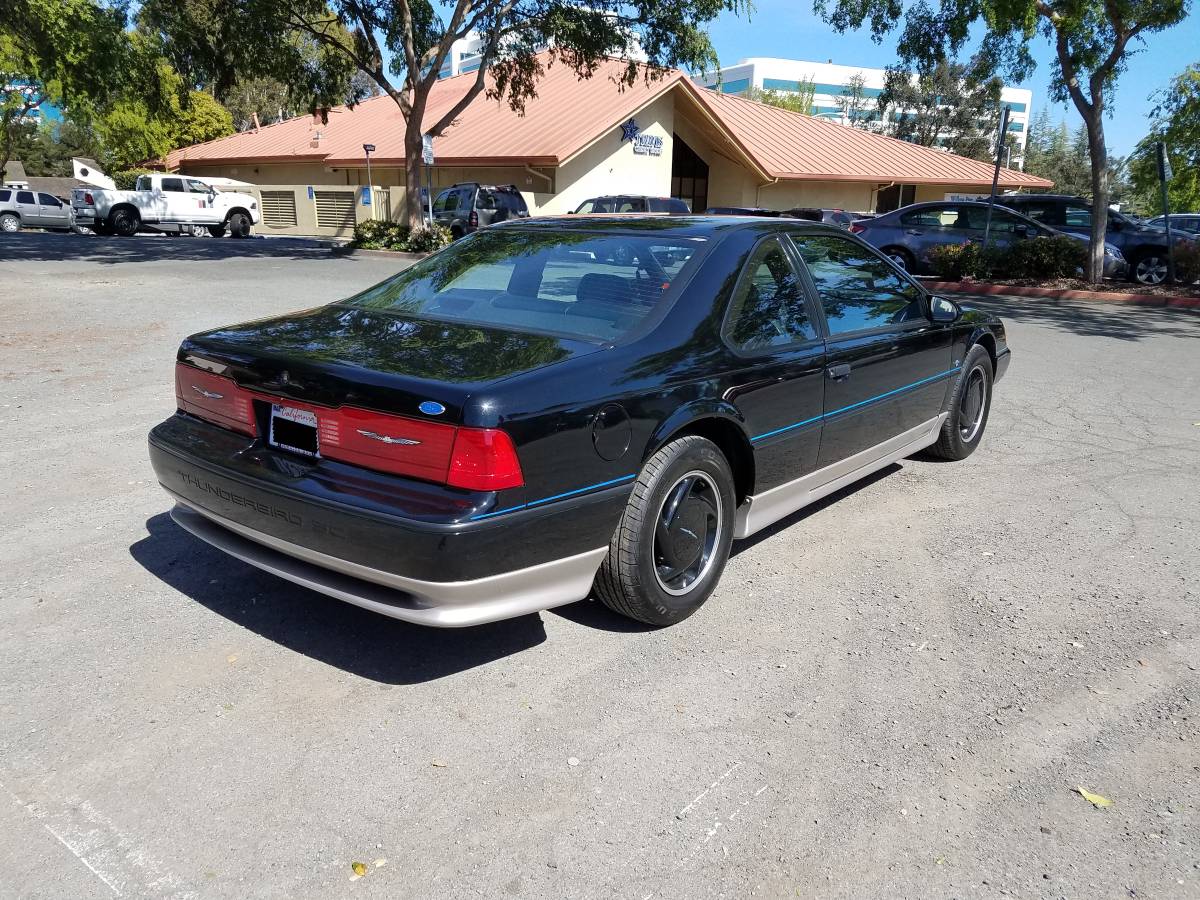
x,y
196,187
173,185
930,217
485,200
1006,223
628,205
586,207
1077,216
442,203
768,306
143,183
5,196
858,289
25,197
1047,213
47,200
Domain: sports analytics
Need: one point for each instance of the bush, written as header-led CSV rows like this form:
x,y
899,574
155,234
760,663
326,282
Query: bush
x,y
1039,258
1187,262
378,235
953,262
126,179
1043,258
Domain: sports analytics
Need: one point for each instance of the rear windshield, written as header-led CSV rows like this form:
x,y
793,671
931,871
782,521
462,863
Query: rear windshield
x,y
572,283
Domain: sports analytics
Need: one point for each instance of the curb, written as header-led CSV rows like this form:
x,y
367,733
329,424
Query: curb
x,y
347,250
987,290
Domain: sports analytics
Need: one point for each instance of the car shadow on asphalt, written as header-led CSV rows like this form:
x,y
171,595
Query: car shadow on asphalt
x,y
52,247
1111,320
339,634
594,614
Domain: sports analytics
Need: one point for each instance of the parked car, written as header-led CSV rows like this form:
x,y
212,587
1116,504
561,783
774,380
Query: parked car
x,y
1144,246
1189,222
20,208
907,234
634,203
830,216
465,207
165,202
512,420
742,211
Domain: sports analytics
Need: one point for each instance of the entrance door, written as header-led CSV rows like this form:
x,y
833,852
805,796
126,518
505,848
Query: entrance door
x,y
689,176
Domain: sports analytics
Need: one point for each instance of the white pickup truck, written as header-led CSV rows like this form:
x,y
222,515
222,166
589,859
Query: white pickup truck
x,y
170,203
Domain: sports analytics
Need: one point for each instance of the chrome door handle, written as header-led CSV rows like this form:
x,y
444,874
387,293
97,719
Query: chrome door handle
x,y
839,372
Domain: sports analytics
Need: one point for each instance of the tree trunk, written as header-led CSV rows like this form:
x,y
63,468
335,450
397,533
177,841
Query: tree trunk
x,y
413,215
1098,153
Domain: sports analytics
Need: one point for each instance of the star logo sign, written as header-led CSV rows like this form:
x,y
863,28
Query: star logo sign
x,y
629,131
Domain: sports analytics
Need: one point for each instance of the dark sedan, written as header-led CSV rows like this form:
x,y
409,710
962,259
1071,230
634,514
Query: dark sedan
x,y
907,234
519,420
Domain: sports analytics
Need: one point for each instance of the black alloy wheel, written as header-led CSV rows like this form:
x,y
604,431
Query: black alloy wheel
x,y
968,408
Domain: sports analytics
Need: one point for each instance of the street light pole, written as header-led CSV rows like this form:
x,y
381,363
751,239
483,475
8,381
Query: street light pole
x,y
367,148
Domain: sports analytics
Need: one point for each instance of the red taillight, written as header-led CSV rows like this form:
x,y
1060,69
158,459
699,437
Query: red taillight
x,y
484,459
213,397
87,198
855,228
473,219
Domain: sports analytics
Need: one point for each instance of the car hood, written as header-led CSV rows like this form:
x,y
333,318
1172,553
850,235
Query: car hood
x,y
338,354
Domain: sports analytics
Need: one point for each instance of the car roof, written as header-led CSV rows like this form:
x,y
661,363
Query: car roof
x,y
675,226
1023,197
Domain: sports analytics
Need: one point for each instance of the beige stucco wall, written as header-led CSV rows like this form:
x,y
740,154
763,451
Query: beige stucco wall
x,y
852,196
609,165
927,193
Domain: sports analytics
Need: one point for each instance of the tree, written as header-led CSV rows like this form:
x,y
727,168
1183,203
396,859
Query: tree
x,y
1176,122
853,103
1053,152
224,39
1092,41
799,100
68,51
951,106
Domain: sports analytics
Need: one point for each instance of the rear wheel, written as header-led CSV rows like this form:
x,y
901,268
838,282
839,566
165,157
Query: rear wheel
x,y
239,225
673,541
9,223
900,257
125,222
969,407
1150,267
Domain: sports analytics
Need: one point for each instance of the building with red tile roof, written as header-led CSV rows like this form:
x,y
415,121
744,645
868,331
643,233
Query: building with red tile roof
x,y
581,138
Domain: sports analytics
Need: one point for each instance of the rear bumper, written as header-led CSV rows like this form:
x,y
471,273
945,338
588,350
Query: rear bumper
x,y
405,549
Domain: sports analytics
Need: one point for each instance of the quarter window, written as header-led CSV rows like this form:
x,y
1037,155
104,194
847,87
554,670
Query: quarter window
x,y
858,289
768,307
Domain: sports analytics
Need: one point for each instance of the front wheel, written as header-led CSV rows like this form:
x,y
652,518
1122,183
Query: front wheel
x,y
969,407
673,541
901,257
239,225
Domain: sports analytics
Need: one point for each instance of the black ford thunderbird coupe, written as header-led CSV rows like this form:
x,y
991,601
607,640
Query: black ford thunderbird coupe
x,y
556,407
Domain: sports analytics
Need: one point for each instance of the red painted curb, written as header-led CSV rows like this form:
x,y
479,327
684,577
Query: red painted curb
x,y
1012,290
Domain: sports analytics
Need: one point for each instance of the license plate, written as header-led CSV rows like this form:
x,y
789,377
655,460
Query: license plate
x,y
294,429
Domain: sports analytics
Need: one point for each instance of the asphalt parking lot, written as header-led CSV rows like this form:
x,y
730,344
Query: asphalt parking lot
x,y
892,694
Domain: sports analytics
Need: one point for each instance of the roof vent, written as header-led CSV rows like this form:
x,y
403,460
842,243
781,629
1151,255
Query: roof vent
x,y
316,139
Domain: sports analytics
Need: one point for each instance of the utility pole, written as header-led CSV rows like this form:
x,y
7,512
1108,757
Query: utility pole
x,y
368,149
1001,140
1164,175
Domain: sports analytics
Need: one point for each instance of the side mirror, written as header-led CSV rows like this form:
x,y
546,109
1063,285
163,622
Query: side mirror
x,y
943,310
1023,230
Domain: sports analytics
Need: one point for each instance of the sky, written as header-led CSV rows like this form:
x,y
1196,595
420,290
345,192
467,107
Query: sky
x,y
789,29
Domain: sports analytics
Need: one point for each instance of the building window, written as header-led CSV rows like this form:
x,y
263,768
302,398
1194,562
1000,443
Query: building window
x,y
735,87
779,84
894,197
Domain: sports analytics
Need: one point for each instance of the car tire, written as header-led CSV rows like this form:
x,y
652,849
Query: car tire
x,y
900,257
10,224
101,228
125,222
970,404
239,225
1149,267
659,570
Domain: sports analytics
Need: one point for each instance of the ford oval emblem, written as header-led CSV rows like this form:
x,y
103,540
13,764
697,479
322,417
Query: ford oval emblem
x,y
431,408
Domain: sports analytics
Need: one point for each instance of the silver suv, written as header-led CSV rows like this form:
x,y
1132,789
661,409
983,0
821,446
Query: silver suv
x,y
21,208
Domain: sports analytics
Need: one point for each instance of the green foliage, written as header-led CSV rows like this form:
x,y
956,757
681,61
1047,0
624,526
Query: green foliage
x,y
215,42
1187,262
126,179
1041,258
380,235
1053,152
953,105
800,101
1092,41
1177,123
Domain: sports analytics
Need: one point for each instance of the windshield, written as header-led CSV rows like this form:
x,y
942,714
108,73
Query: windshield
x,y
573,283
